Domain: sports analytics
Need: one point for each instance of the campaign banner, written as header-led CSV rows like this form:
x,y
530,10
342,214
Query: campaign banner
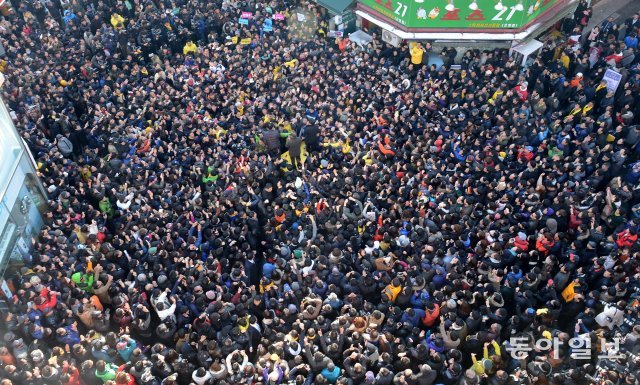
x,y
613,79
246,15
243,21
278,16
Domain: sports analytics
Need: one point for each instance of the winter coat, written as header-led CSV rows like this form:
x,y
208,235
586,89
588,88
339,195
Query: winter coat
x,y
271,139
64,145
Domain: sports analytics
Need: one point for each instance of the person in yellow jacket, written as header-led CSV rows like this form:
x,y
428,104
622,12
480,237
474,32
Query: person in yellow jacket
x,y
565,60
485,365
392,290
416,54
189,48
569,292
117,21
496,96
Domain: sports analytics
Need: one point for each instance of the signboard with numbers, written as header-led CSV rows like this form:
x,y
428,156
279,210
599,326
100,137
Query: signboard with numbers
x,y
460,14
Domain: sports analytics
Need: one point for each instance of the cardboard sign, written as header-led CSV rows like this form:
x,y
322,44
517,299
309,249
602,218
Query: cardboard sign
x,y
278,16
613,79
245,41
243,21
246,15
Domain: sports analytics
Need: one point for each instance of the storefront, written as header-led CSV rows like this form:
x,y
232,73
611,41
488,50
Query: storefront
x,y
22,198
510,21
342,16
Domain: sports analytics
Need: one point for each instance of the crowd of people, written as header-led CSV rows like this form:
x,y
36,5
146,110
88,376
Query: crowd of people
x,y
260,203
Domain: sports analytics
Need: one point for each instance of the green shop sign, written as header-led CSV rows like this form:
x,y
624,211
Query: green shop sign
x,y
459,14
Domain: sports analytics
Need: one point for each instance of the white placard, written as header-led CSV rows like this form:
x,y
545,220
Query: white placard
x,y
613,79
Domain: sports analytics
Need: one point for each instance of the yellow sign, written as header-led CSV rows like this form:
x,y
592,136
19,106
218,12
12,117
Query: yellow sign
x,y
234,40
245,41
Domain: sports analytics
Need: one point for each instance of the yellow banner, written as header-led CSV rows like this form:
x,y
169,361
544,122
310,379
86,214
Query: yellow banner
x,y
245,41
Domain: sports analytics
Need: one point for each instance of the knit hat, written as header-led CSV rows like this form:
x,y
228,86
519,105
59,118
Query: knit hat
x,y
369,377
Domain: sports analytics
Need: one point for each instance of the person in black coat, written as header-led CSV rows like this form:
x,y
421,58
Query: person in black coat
x,y
310,134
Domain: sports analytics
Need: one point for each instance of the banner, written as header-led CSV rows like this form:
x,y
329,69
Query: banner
x,y
509,14
245,41
243,21
612,78
278,16
246,15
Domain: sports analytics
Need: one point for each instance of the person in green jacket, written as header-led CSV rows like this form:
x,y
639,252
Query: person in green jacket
x,y
105,206
209,177
105,371
85,279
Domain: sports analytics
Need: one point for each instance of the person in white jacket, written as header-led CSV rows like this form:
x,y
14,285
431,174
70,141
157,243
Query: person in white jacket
x,y
162,306
237,356
612,316
123,202
200,376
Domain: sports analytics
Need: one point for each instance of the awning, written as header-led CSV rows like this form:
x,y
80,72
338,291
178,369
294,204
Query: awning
x,y
528,48
337,7
361,38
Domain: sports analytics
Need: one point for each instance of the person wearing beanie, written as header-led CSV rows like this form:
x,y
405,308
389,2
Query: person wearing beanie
x,y
485,365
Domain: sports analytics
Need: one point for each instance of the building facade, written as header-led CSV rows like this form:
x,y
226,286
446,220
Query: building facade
x,y
23,200
508,21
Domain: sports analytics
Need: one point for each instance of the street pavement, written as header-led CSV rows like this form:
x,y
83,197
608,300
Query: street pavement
x,y
619,9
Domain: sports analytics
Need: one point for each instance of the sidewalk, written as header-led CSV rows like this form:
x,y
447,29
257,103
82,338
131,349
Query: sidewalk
x,y
619,9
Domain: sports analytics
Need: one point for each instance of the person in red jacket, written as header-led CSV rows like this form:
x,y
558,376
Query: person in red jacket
x,y
544,243
46,300
521,90
616,57
71,374
627,238
124,378
432,312
521,242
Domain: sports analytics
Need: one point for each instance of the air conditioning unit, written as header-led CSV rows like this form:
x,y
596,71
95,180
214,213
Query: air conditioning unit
x,y
391,38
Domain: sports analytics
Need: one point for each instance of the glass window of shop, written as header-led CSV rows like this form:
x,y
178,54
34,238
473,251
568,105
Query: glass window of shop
x,y
22,203
10,146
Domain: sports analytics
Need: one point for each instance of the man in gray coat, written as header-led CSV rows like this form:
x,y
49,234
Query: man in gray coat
x,y
64,145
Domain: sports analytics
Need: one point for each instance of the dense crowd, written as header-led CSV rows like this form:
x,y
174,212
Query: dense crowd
x,y
297,209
